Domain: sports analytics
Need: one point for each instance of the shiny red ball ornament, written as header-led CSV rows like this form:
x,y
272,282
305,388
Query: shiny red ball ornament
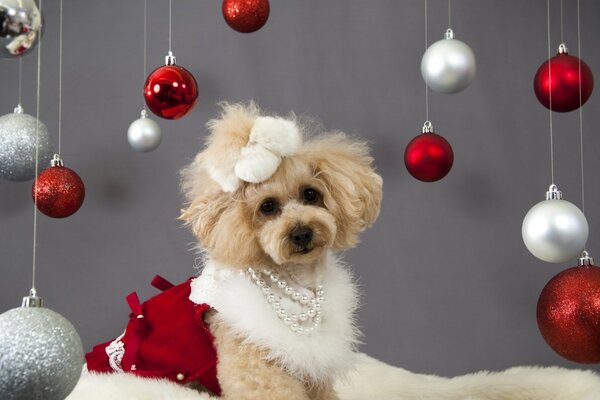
x,y
568,314
59,190
170,91
560,75
428,157
246,16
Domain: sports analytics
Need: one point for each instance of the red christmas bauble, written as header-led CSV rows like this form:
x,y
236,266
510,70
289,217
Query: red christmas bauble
x,y
60,192
170,91
246,16
568,314
428,157
561,74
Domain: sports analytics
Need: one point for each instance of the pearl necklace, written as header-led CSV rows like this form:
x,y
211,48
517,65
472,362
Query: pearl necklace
x,y
310,316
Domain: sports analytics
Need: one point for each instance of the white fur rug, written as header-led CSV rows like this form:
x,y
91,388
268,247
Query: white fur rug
x,y
374,380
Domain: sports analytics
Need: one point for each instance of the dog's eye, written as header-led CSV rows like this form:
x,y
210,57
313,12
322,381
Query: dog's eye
x,y
310,195
268,207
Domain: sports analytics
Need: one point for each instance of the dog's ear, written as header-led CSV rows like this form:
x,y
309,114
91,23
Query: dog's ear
x,y
353,188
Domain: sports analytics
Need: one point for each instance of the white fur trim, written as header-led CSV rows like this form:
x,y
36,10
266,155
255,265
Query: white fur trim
x,y
256,164
372,379
327,353
227,179
278,135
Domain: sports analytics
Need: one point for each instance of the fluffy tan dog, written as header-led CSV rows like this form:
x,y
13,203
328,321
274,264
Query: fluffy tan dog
x,y
268,210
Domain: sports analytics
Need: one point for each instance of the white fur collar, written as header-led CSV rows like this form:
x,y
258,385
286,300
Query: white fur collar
x,y
326,354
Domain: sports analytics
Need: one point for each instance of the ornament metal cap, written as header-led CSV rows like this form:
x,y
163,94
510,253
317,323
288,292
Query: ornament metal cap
x,y
33,300
562,49
144,113
56,161
170,58
553,193
18,109
449,34
427,127
585,259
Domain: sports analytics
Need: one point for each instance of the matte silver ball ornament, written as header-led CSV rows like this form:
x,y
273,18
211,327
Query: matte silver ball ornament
x,y
144,133
448,66
20,27
18,133
41,355
555,230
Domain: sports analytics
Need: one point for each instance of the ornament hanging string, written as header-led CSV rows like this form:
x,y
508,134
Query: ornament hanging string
x,y
145,46
20,80
550,96
426,78
562,31
37,156
580,112
170,26
60,49
449,14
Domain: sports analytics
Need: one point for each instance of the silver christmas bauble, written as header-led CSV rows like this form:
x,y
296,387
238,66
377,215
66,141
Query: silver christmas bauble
x,y
17,146
448,66
144,133
20,27
555,230
41,355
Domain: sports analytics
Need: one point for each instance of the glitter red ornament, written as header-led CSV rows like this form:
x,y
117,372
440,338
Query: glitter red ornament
x,y
59,190
246,16
561,76
428,157
568,312
170,91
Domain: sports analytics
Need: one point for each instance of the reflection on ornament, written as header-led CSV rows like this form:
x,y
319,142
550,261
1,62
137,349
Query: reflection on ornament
x,y
144,133
20,27
170,91
428,157
41,354
560,77
59,190
19,133
568,312
246,16
448,66
555,230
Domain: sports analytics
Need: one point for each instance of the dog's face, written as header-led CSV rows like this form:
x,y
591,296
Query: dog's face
x,y
320,198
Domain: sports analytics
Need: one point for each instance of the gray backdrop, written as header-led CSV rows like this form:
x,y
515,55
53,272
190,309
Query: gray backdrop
x,y
448,284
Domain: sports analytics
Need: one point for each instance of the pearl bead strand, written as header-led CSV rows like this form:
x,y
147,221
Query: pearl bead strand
x,y
310,317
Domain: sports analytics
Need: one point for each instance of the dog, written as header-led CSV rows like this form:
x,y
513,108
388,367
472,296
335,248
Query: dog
x,y
272,314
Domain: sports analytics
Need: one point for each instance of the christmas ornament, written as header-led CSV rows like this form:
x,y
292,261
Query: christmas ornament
x,y
448,66
59,190
568,312
246,16
170,91
20,27
144,133
41,354
560,76
428,157
555,230
19,133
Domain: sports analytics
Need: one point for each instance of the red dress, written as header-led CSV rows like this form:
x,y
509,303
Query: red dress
x,y
166,337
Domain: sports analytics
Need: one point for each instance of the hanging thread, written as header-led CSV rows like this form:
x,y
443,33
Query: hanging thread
x,y
550,97
20,80
170,29
580,111
450,14
562,31
145,45
426,78
60,49
37,154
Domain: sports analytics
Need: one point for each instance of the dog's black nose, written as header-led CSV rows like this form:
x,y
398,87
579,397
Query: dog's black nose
x,y
301,236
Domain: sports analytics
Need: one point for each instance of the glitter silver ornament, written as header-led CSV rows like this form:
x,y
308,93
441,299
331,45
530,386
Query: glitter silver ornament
x,y
144,133
555,230
41,355
17,146
448,66
20,27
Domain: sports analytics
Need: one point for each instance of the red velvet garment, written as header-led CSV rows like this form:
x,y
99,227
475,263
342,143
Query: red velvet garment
x,y
166,337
